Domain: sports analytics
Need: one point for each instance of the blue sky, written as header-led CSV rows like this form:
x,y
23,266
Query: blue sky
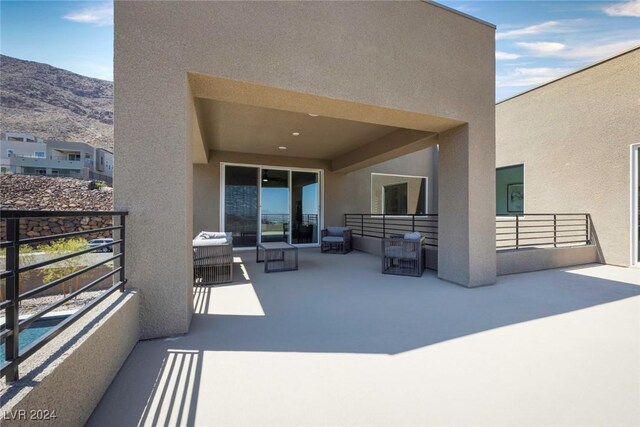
x,y
536,41
74,35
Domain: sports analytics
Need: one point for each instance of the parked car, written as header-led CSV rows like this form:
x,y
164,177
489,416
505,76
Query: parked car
x,y
98,242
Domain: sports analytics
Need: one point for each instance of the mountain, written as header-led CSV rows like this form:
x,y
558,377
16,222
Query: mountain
x,y
52,103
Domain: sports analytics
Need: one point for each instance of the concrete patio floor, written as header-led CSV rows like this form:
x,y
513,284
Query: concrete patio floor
x,y
338,343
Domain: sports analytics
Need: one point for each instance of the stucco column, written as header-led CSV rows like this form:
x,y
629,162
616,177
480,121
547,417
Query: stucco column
x,y
153,180
466,203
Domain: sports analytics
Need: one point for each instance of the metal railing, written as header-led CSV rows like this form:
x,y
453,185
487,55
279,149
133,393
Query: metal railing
x,y
13,324
542,230
380,226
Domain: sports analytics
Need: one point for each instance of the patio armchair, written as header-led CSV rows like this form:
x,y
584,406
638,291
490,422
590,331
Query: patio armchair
x,y
212,258
402,254
336,239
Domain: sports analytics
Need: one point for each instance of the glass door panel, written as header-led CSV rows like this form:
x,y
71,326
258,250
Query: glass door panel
x,y
241,204
305,209
274,201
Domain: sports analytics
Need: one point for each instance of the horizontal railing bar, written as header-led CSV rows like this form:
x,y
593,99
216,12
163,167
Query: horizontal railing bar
x,y
389,215
65,257
540,220
5,244
56,282
540,238
28,321
540,244
5,274
540,232
36,345
32,240
5,333
11,214
543,226
539,214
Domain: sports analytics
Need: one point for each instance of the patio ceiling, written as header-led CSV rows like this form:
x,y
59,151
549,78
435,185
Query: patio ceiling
x,y
235,127
241,117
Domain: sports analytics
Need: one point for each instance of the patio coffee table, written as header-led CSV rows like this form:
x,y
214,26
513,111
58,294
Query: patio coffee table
x,y
277,256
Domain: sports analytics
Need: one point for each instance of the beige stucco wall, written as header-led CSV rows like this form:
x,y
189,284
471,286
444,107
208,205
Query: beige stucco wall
x,y
412,56
535,259
574,137
71,373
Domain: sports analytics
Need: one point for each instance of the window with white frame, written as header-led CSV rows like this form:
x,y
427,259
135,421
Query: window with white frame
x,y
398,194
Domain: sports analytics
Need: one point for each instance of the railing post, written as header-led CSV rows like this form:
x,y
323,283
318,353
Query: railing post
x,y
517,232
13,292
384,228
362,225
588,228
123,247
120,234
413,223
555,231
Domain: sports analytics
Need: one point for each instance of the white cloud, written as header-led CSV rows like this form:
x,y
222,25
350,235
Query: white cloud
x,y
100,14
542,48
601,51
548,27
523,76
501,56
587,52
530,30
628,8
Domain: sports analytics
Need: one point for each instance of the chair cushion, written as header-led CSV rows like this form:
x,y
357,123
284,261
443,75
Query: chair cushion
x,y
212,235
333,239
211,242
412,236
336,231
397,252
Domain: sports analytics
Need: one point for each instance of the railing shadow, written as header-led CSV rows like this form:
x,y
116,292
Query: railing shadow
x,y
174,397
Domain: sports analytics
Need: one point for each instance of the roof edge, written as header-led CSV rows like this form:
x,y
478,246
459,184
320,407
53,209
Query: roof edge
x,y
457,12
579,70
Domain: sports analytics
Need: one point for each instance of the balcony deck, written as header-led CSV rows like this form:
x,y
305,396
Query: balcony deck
x,y
338,343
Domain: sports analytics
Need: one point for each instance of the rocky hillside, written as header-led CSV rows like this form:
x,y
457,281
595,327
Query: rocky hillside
x,y
52,103
52,193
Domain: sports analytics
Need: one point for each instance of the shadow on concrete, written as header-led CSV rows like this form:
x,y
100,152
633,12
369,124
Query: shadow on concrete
x,y
343,304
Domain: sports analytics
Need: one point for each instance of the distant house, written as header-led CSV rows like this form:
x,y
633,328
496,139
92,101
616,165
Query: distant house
x,y
22,153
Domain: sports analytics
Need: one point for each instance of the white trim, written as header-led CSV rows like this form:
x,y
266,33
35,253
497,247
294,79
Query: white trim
x,y
634,183
426,194
260,167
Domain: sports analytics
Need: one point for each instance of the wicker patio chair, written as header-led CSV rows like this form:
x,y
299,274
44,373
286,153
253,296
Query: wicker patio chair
x,y
336,239
402,254
212,258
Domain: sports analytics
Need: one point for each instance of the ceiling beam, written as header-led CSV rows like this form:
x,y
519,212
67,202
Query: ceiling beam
x,y
395,144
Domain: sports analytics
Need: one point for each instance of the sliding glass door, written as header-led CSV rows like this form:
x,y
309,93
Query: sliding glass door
x,y
274,203
305,207
263,204
241,204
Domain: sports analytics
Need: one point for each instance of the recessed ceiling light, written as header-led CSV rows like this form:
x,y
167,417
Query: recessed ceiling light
x,y
313,115
265,180
282,147
295,133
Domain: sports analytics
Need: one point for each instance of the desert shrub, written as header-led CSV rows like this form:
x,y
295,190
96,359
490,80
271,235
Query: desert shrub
x,y
60,269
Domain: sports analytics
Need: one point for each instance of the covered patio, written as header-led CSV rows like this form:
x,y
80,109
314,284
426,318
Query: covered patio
x,y
339,343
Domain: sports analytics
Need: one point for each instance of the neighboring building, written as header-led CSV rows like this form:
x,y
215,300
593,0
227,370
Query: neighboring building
x,y
22,153
571,145
282,111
